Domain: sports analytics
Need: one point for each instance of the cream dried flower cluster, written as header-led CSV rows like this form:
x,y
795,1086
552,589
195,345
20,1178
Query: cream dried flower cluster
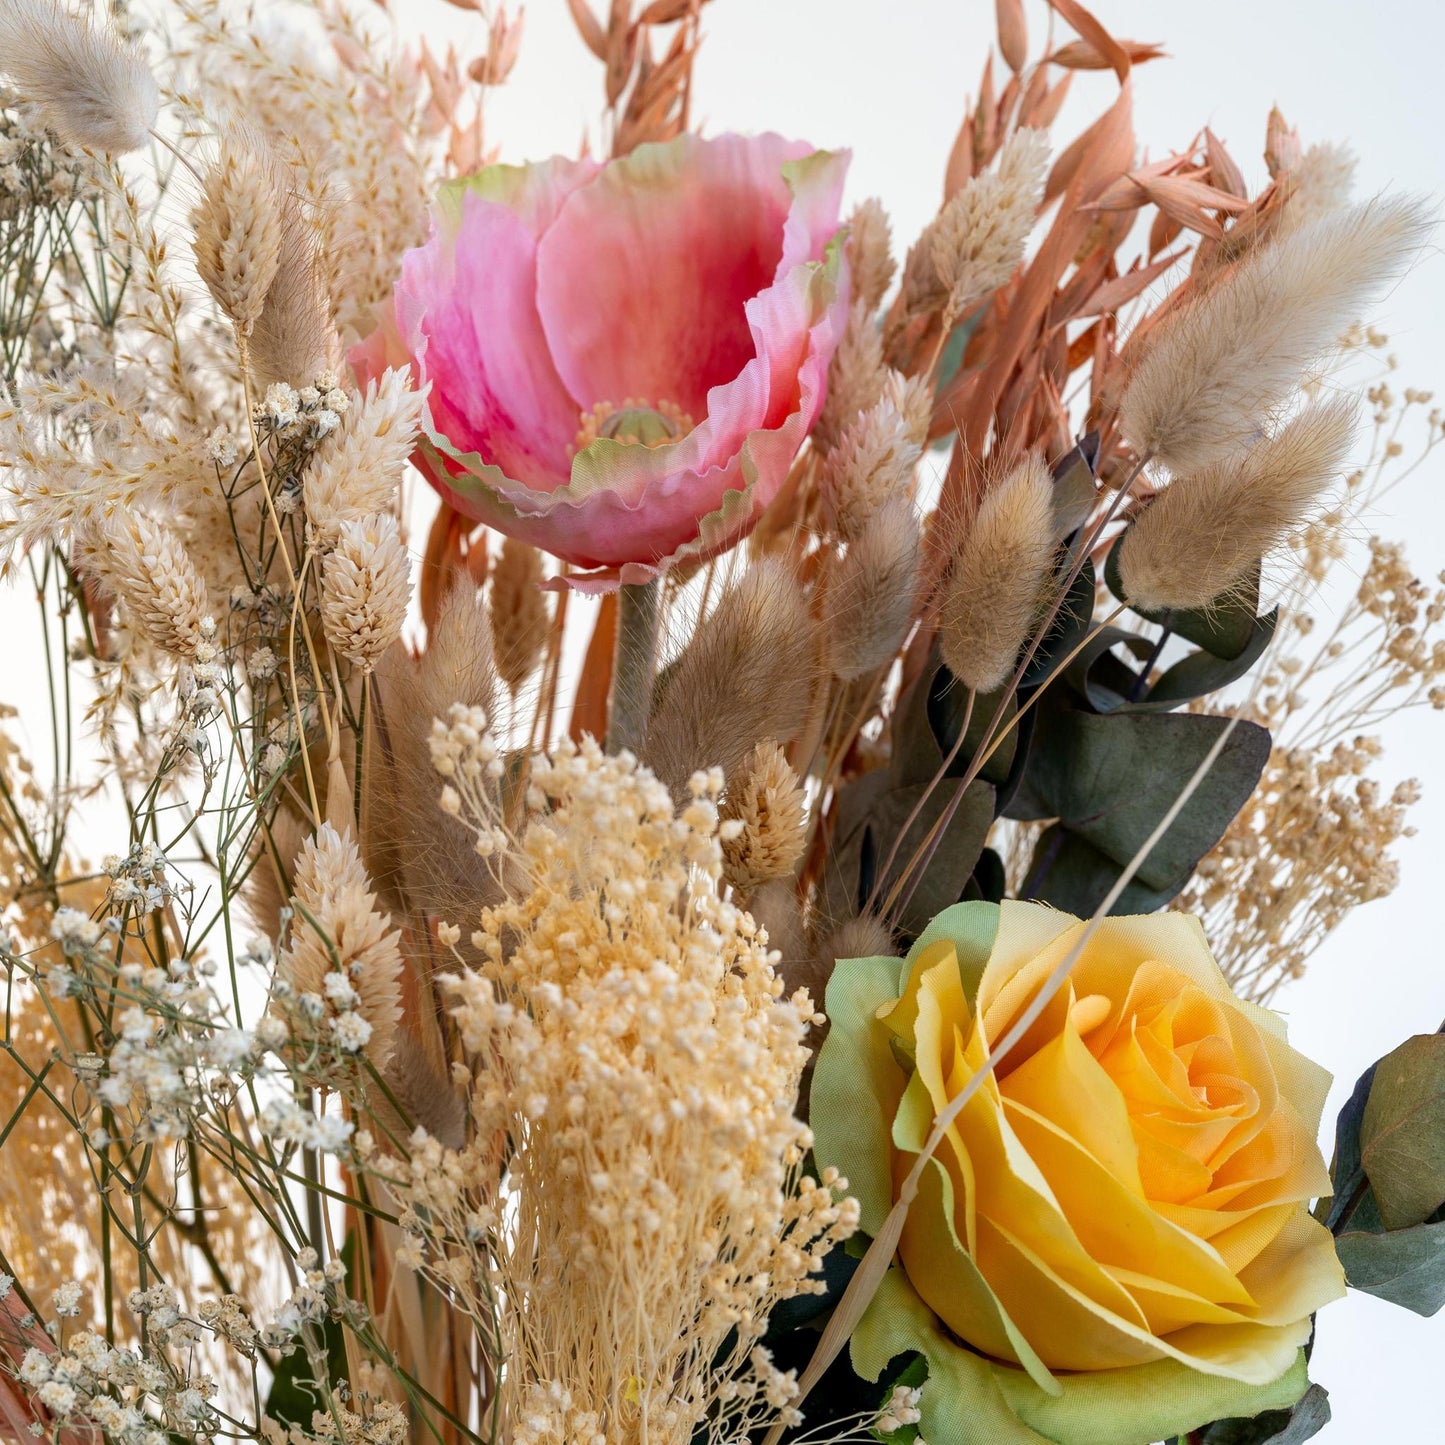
x,y
635,1066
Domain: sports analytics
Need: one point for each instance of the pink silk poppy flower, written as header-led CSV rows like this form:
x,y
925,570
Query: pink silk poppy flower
x,y
623,359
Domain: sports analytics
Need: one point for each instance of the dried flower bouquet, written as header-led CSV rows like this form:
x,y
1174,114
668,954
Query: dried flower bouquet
x,y
774,944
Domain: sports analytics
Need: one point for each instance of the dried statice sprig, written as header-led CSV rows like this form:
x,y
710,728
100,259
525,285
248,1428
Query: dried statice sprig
x,y
676,1140
1214,370
90,88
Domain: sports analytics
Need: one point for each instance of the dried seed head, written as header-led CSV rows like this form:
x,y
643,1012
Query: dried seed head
x,y
92,90
1219,366
432,852
992,594
365,588
856,377
147,566
977,240
861,937
519,611
872,465
768,802
869,602
356,471
238,233
912,397
1203,533
747,674
870,258
778,912
426,1092
336,929
293,338
1319,184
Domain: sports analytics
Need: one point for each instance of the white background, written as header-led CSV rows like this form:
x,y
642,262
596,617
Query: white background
x,y
889,80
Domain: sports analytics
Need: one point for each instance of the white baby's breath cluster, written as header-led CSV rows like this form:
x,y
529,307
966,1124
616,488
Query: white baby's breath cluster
x,y
637,1067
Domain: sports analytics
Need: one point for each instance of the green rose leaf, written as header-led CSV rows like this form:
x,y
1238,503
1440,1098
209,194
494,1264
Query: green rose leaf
x,y
1402,1132
1404,1266
1275,1427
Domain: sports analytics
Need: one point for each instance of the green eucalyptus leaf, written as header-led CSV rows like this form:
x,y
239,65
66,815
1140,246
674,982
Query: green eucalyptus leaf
x,y
1303,1422
1068,872
951,862
1110,779
1402,1132
1068,629
1346,1171
946,704
1404,1266
1224,628
1075,488
845,886
1102,679
1204,672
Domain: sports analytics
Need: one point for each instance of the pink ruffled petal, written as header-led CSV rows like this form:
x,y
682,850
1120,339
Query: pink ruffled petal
x,y
464,307
642,280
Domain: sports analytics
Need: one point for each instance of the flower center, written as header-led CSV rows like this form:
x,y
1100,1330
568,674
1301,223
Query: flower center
x,y
634,423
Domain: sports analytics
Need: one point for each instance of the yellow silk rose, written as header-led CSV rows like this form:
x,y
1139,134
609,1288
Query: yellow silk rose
x,y
1113,1242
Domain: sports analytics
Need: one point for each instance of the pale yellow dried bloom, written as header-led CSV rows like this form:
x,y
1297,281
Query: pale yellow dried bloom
x,y
765,819
341,944
747,674
365,588
163,594
639,1070
873,463
870,258
518,612
994,587
357,470
1203,533
977,240
1216,368
856,377
91,89
868,604
238,233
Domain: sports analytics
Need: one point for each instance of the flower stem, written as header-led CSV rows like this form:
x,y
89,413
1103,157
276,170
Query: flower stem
x,y
634,664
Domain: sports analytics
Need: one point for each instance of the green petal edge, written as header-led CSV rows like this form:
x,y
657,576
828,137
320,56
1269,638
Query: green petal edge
x,y
970,1400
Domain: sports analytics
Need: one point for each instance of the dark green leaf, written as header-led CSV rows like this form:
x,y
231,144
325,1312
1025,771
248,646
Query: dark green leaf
x,y
947,705
1346,1171
1075,489
1067,630
1204,672
1402,1132
1103,680
849,879
1073,875
951,861
1274,1427
990,880
1405,1266
1110,779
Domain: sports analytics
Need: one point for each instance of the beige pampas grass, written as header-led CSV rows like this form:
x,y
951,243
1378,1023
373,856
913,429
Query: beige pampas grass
x,y
148,568
870,258
1220,365
91,89
1200,536
993,590
237,239
765,820
356,471
518,612
746,674
365,588
872,464
974,243
868,604
337,931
